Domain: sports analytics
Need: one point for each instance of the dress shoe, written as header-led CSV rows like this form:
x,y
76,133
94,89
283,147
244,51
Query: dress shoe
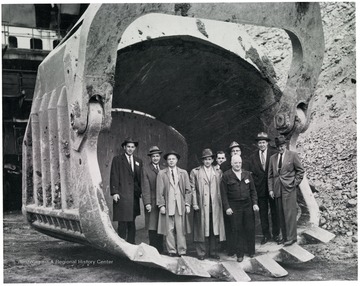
x,y
276,238
173,255
251,255
215,256
280,241
231,254
201,257
289,242
240,259
264,240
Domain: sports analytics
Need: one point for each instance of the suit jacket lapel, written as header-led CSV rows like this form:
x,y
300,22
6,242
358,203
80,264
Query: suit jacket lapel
x,y
153,168
285,159
203,174
234,175
275,164
177,178
268,155
212,173
126,162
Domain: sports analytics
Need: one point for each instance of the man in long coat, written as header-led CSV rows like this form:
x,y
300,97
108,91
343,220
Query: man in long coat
x,y
209,226
259,167
173,196
125,188
148,181
285,174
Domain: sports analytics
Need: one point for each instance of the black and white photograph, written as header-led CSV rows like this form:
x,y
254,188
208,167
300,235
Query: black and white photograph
x,y
179,142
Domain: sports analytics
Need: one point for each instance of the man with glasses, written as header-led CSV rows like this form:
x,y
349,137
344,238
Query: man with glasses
x,y
234,149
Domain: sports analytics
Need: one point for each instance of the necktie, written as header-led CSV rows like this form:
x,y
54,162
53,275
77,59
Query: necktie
x,y
263,159
280,161
130,162
172,174
157,168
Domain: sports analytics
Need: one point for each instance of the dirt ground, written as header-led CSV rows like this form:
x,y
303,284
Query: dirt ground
x,y
31,257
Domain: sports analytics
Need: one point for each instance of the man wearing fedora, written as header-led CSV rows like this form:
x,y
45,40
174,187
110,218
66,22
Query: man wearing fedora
x,y
285,174
234,149
259,167
173,197
208,222
125,188
148,188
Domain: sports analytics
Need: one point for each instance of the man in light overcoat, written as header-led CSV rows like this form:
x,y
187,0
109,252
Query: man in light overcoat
x,y
173,197
125,188
209,226
285,174
150,172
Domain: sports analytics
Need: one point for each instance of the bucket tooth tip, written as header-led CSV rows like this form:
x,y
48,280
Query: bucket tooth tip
x,y
148,255
295,254
316,234
265,265
234,272
190,266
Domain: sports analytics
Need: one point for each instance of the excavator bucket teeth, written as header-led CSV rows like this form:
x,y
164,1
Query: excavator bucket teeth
x,y
219,272
190,266
294,254
316,234
235,272
148,255
266,265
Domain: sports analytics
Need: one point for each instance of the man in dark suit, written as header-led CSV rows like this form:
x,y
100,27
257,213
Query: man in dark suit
x,y
148,188
125,188
259,167
285,174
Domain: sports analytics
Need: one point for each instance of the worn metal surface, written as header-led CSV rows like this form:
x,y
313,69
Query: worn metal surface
x,y
266,265
70,138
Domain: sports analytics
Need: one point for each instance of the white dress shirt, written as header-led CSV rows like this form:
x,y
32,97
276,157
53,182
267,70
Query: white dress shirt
x,y
176,176
238,174
132,161
208,172
265,154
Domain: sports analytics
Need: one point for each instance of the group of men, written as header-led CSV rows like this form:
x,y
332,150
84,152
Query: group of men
x,y
224,198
